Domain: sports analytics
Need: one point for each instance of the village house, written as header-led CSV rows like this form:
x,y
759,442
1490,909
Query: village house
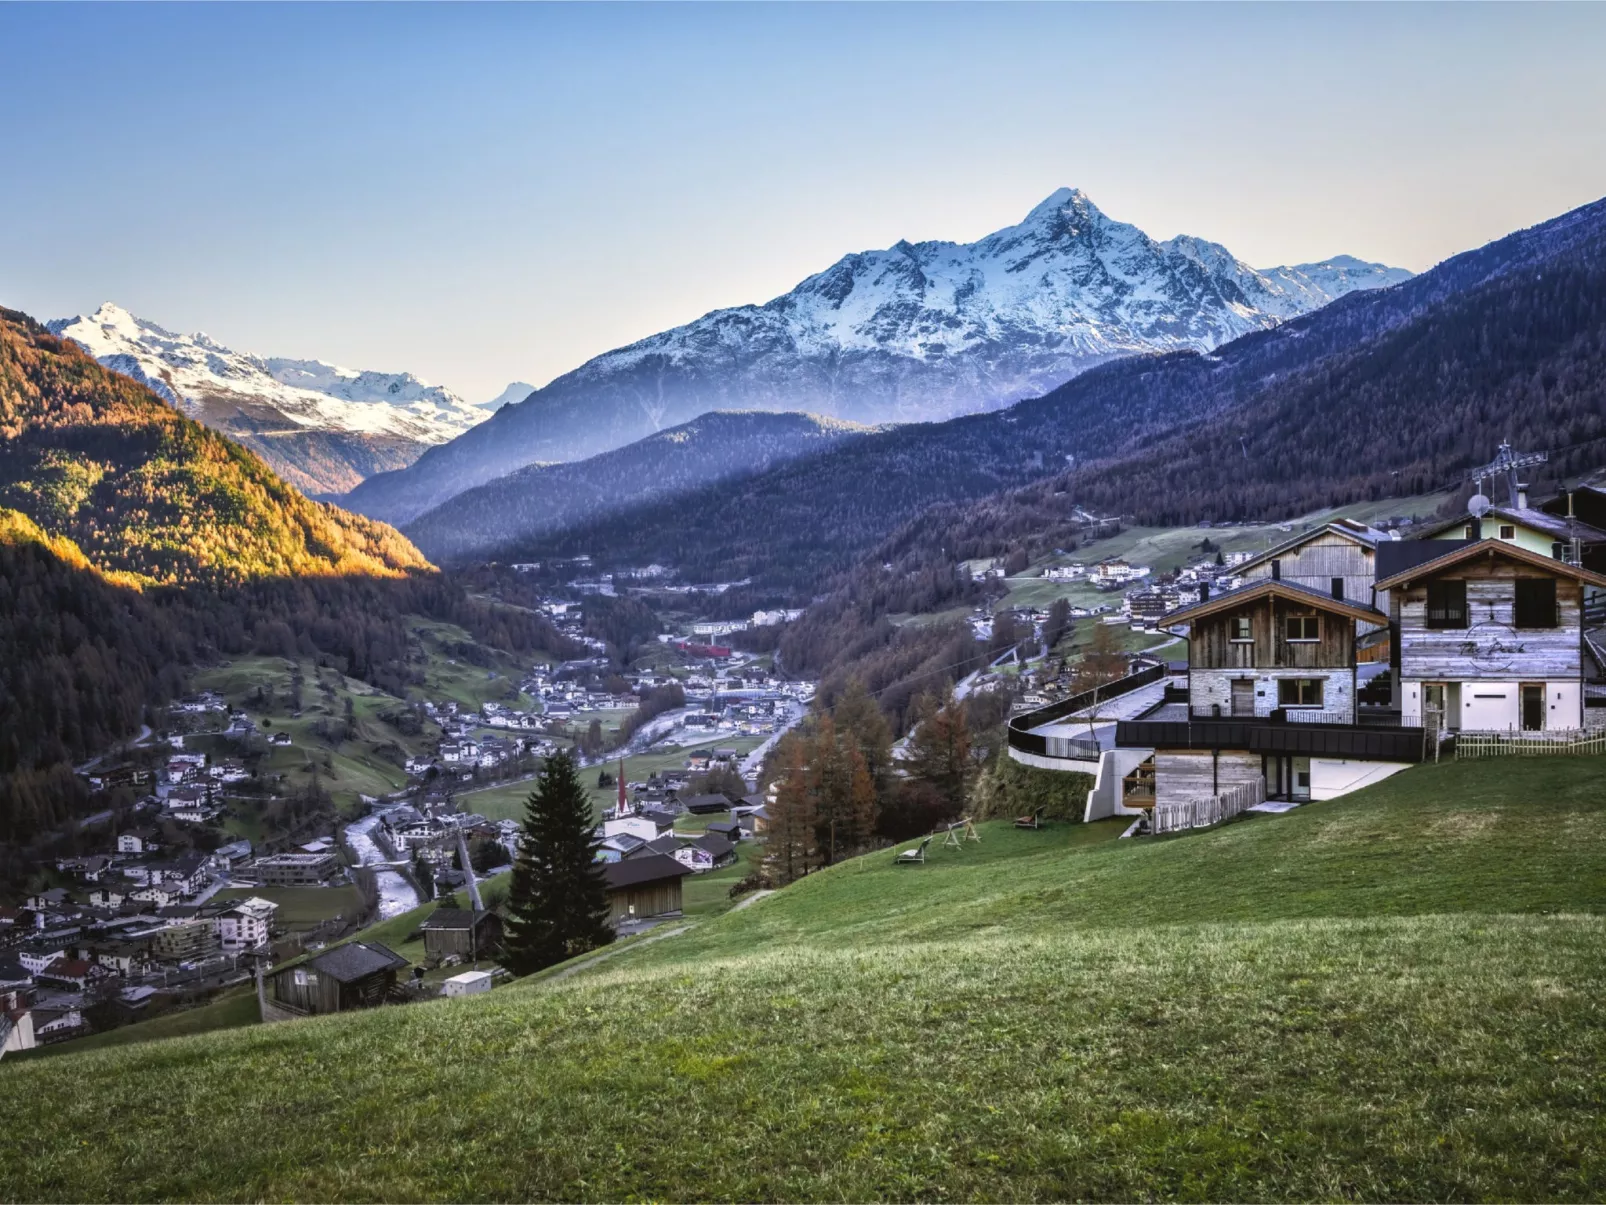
x,y
1490,636
295,870
642,888
461,932
245,925
350,976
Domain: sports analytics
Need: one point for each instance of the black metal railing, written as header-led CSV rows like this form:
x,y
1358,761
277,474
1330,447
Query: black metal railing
x,y
1268,736
1023,739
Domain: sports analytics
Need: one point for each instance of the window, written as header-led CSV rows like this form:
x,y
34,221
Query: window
x,y
1447,604
1299,692
1536,602
1303,627
1508,532
1241,629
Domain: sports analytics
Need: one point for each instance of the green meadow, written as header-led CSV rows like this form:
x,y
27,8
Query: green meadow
x,y
1396,995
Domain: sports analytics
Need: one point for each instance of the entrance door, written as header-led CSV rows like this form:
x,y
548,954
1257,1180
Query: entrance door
x,y
1301,784
1243,696
1533,706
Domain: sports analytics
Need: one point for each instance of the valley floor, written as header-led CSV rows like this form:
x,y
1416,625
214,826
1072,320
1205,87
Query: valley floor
x,y
1396,995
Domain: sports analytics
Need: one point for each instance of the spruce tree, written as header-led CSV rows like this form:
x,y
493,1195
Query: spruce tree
x,y
558,906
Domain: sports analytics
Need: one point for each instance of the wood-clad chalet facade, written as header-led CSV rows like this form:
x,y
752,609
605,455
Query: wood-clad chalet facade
x,y
1490,638
464,932
1271,696
643,887
1338,560
353,975
1272,645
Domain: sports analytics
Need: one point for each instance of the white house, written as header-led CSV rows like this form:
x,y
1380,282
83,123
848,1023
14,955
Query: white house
x,y
245,925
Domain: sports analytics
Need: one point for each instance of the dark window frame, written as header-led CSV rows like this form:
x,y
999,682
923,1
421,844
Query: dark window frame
x,y
1307,623
1535,613
1298,691
1242,628
1450,611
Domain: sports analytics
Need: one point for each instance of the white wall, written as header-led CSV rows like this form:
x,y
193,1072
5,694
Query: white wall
x,y
1332,777
1104,800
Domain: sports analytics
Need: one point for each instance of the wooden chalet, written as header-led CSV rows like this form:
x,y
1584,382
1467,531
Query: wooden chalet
x,y
465,932
353,975
644,886
1490,637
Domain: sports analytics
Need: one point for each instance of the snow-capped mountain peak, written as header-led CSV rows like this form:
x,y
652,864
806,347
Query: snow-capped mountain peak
x,y
197,373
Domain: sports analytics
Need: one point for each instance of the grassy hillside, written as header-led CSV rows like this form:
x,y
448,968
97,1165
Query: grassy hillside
x,y
1391,996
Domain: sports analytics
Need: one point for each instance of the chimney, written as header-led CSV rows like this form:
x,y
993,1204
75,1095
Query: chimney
x,y
1476,528
1204,592
1569,504
1276,571
1522,495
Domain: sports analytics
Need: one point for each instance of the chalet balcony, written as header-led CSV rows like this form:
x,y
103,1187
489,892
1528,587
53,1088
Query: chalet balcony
x,y
1172,727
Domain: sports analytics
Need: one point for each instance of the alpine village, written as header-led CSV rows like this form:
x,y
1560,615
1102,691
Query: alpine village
x,y
1064,715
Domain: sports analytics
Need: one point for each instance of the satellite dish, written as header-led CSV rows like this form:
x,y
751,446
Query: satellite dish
x,y
1478,506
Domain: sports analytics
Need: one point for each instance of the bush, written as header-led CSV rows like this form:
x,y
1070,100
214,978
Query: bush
x,y
1007,789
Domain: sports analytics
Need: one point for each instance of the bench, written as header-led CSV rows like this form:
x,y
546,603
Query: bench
x,y
910,856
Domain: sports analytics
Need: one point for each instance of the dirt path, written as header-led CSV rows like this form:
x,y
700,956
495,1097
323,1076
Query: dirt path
x,y
603,956
753,899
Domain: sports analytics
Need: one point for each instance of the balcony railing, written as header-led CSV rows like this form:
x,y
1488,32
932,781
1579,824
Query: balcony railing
x,y
1359,741
1023,740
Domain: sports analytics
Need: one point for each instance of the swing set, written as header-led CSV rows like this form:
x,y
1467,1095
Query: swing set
x,y
960,831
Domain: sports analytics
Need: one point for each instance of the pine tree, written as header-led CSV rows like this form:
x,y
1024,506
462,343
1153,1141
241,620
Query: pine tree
x,y
860,720
558,906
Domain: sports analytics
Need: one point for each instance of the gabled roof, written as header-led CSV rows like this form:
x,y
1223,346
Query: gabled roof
x,y
457,919
714,844
357,960
1270,587
1467,552
633,872
1558,527
1360,533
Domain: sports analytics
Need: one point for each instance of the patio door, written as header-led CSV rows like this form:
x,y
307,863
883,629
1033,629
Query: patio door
x,y
1533,706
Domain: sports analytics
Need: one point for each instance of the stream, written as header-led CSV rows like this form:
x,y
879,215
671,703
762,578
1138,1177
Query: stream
x,y
396,894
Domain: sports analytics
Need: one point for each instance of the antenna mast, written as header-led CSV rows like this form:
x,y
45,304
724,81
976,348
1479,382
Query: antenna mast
x,y
1505,464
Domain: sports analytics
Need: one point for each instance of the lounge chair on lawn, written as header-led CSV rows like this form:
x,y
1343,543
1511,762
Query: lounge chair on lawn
x,y
1035,820
910,856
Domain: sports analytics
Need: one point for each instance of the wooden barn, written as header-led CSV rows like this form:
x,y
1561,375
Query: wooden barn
x,y
357,974
469,934
643,887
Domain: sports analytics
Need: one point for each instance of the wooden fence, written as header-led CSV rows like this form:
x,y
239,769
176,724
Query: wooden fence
x,y
1502,744
1213,809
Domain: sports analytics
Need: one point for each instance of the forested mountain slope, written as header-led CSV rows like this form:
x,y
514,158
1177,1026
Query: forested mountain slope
x,y
88,454
545,497
1383,392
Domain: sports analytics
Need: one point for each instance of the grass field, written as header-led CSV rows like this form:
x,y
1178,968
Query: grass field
x,y
229,1011
1397,995
302,907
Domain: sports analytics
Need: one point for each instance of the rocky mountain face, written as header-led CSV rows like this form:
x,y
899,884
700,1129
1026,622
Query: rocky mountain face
x,y
544,497
917,332
1383,393
322,428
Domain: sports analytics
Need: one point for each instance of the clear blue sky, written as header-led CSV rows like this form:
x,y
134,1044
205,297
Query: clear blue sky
x,y
484,193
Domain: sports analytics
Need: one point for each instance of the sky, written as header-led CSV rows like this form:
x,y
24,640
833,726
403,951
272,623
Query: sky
x,y
487,193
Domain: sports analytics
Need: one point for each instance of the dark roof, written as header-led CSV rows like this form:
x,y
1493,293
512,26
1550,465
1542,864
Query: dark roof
x,y
725,827
755,800
1396,556
357,960
1465,550
1266,586
633,872
663,845
714,844
706,803
1558,527
453,918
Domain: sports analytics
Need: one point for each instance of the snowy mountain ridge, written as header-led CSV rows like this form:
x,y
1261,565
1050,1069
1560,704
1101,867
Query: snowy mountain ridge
x,y
917,332
188,370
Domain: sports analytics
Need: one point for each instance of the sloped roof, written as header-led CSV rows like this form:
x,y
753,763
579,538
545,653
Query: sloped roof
x,y
1360,533
1558,527
634,872
453,918
1466,552
357,960
1274,587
